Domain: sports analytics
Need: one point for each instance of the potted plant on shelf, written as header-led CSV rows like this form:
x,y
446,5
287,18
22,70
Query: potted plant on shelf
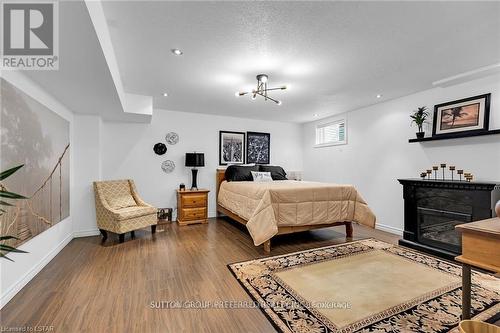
x,y
419,117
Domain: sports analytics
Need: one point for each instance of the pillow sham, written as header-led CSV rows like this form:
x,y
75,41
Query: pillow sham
x,y
262,177
277,172
238,173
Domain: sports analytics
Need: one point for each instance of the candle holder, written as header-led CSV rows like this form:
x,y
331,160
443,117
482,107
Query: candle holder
x,y
435,168
452,169
443,166
429,174
460,173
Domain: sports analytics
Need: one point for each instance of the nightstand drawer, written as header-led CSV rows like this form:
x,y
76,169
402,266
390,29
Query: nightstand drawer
x,y
193,213
194,200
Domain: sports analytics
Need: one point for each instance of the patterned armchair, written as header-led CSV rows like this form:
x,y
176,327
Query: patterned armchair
x,y
119,208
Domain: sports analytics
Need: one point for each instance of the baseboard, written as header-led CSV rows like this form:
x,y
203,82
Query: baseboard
x,y
388,228
86,233
5,298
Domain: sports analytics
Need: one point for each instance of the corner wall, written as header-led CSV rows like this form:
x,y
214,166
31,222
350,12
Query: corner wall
x,y
378,151
87,139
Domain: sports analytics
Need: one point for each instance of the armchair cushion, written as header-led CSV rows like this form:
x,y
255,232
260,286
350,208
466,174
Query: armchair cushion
x,y
121,200
132,212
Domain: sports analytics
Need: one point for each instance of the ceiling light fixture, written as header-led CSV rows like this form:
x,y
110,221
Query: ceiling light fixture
x,y
262,89
165,94
177,52
315,115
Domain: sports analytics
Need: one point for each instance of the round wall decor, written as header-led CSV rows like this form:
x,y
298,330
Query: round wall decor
x,y
160,148
168,166
172,138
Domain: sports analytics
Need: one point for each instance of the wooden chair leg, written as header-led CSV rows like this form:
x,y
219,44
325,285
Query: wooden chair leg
x,y
348,230
104,234
121,238
153,228
267,246
132,234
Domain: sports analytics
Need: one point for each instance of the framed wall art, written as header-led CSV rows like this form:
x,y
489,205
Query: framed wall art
x,y
231,147
464,116
258,147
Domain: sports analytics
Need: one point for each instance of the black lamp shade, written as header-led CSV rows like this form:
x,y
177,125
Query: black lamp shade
x,y
195,160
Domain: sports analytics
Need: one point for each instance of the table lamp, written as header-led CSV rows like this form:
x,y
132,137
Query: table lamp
x,y
195,160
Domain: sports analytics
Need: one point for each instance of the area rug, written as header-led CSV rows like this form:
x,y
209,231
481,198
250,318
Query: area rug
x,y
364,286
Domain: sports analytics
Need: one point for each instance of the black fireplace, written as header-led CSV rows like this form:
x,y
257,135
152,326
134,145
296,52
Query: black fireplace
x,y
433,208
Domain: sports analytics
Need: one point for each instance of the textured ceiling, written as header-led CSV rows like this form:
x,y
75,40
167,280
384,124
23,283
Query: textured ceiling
x,y
83,82
337,56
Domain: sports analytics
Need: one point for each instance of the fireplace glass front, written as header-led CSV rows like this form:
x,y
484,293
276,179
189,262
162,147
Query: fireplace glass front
x,y
436,228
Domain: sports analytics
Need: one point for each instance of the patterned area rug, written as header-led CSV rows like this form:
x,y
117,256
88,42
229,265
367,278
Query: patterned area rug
x,y
364,286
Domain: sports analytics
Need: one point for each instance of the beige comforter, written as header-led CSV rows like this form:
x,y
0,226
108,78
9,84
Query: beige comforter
x,y
267,205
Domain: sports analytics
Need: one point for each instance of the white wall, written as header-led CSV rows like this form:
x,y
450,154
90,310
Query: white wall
x,y
378,151
43,247
127,151
87,139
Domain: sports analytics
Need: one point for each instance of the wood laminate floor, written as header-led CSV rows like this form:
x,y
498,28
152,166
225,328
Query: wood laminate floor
x,y
92,288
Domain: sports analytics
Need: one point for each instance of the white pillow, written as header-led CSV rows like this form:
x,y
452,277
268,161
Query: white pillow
x,y
261,176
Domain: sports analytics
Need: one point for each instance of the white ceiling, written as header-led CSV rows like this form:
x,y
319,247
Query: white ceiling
x,y
336,56
83,82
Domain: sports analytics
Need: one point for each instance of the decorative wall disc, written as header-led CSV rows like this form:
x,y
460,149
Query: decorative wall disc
x,y
168,166
160,148
172,138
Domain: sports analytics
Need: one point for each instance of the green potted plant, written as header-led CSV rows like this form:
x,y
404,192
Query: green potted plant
x,y
5,195
419,117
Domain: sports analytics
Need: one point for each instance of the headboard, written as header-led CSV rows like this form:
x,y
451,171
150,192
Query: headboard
x,y
219,178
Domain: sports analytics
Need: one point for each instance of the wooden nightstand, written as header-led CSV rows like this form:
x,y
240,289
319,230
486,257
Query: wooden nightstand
x,y
192,206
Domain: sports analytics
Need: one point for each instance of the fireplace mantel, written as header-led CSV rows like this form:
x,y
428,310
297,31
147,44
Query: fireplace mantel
x,y
433,207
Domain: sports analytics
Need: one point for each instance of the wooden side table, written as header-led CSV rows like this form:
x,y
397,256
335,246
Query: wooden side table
x,y
480,248
192,206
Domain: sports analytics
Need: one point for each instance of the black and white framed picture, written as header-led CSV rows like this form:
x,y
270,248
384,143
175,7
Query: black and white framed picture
x,y
231,147
461,116
258,147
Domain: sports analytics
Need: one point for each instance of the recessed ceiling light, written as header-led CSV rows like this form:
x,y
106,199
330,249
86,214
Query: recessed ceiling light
x,y
177,52
378,96
165,94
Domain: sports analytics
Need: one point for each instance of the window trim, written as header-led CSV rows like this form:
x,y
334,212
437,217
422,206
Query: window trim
x,y
329,144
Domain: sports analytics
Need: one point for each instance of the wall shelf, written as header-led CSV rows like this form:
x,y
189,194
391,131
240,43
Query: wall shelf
x,y
455,136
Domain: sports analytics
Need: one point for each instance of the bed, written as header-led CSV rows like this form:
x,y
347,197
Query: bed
x,y
286,206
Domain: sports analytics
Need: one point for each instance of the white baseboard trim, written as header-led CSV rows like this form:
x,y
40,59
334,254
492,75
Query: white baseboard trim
x,y
86,233
7,296
388,228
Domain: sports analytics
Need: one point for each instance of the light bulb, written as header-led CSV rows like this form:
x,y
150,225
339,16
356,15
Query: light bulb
x,y
237,94
177,52
278,102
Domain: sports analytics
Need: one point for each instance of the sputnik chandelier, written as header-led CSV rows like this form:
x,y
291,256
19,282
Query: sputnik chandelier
x,y
261,90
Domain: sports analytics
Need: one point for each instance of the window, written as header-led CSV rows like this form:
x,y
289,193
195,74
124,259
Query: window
x,y
333,133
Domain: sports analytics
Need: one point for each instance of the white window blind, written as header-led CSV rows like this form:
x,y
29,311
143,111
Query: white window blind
x,y
333,133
